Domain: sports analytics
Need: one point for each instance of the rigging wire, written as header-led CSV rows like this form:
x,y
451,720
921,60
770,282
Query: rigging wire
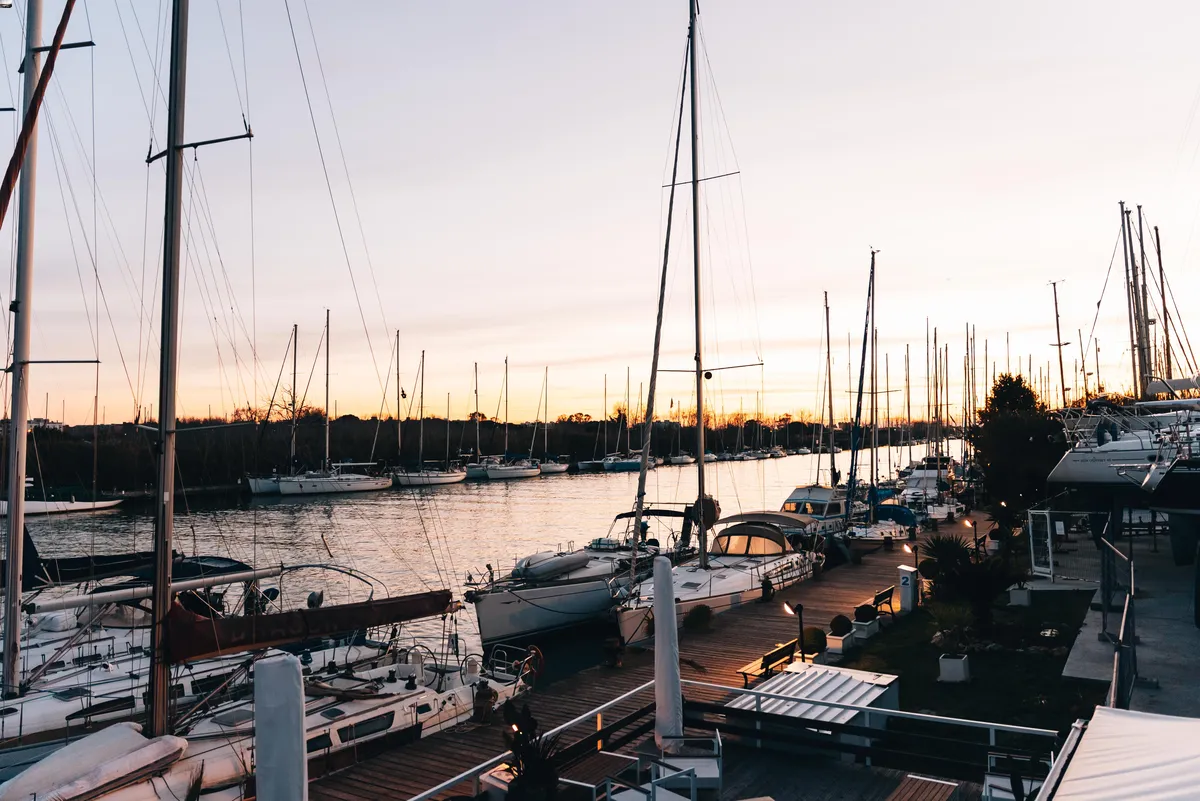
x,y
329,189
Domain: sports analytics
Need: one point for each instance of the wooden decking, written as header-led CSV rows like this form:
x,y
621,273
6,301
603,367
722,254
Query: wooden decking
x,y
734,638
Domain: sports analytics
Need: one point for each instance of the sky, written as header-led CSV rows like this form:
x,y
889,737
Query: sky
x,y
497,171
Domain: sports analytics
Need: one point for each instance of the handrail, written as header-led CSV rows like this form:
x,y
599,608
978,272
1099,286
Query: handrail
x,y
474,772
895,713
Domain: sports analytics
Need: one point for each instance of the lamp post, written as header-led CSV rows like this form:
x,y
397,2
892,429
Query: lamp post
x,y
798,611
915,550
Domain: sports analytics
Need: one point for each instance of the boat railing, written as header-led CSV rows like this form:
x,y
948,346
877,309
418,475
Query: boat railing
x,y
762,700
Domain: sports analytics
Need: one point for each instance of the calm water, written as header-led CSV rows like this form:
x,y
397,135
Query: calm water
x,y
409,540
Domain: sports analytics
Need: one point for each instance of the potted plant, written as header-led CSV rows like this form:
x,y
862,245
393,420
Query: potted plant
x,y
1020,594
815,643
952,619
866,622
841,635
531,773
954,668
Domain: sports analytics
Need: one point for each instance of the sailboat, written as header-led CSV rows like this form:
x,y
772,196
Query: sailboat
x,y
548,465
332,477
400,697
514,468
753,550
426,475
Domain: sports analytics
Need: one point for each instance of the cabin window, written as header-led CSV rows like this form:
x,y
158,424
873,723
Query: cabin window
x,y
744,545
367,727
72,692
690,585
234,717
834,509
424,709
8,710
332,714
320,743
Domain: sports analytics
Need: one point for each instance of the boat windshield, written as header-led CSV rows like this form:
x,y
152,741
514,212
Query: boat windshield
x,y
749,539
814,508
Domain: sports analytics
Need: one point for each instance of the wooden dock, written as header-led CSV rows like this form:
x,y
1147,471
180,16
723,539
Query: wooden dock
x,y
734,639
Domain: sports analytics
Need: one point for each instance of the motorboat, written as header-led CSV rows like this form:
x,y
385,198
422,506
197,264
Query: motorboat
x,y
521,468
710,457
825,505
615,463
555,590
751,555
560,465
802,451
479,469
681,458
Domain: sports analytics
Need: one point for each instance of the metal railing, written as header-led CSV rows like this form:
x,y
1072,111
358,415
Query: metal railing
x,y
1125,669
473,774
1116,584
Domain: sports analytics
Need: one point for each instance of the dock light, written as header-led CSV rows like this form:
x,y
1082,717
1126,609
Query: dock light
x,y
798,611
971,524
915,550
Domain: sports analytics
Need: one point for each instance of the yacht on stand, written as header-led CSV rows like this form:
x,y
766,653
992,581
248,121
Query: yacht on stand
x,y
555,590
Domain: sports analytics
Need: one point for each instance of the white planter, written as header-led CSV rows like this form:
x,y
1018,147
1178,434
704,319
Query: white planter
x,y
1020,597
865,631
839,645
954,669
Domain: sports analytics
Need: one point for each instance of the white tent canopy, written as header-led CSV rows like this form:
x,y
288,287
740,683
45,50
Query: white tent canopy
x,y
1125,754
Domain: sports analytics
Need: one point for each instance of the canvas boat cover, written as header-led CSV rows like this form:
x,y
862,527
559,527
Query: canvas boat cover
x,y
1125,754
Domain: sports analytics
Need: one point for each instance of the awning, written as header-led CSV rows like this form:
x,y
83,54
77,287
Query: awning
x,y
782,519
1125,754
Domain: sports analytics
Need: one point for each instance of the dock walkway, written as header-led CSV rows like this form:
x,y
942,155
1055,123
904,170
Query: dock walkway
x,y
734,639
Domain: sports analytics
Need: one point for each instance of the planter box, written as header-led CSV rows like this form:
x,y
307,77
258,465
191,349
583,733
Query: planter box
x,y
1020,597
495,782
865,631
839,645
954,669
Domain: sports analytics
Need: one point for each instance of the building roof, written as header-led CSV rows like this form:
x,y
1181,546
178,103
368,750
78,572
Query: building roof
x,y
805,681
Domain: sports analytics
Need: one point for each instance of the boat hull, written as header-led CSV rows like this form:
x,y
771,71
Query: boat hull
x,y
428,478
507,472
263,486
553,468
61,507
476,471
519,613
323,485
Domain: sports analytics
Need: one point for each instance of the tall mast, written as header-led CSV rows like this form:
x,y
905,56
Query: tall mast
x,y
505,407
1144,330
328,464
829,393
908,402
1166,321
478,453
400,419
292,446
159,698
448,431
887,397
1059,344
605,415
21,308
695,131
1130,298
421,423
628,415
546,404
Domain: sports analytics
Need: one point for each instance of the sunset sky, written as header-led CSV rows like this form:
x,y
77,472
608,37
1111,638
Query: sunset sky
x,y
507,161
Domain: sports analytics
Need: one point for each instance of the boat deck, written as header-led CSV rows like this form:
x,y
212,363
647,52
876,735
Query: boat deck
x,y
734,639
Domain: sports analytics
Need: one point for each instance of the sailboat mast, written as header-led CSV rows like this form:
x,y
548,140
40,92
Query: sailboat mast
x,y
448,431
19,419
829,394
159,698
295,358
546,404
506,407
478,442
702,532
399,417
908,402
327,462
421,423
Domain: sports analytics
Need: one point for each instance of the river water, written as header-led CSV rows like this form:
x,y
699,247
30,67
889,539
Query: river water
x,y
409,540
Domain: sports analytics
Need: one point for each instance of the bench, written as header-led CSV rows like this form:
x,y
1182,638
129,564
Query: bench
x,y
770,662
884,598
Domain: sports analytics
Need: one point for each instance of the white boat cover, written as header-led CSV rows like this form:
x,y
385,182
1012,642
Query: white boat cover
x,y
1125,754
104,760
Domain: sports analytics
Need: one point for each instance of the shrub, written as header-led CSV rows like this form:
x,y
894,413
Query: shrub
x,y
698,618
814,640
840,626
865,613
979,584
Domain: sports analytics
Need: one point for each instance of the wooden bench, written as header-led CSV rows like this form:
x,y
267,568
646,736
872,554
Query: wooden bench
x,y
921,788
884,598
770,662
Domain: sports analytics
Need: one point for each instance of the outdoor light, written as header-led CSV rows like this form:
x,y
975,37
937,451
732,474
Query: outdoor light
x,y
798,611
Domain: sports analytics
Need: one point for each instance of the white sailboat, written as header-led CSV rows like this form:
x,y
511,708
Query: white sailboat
x,y
426,475
512,468
548,465
333,477
61,507
753,551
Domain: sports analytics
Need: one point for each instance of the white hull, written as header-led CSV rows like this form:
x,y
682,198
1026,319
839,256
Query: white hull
x,y
512,614
476,471
263,486
60,507
320,485
512,471
553,468
428,478
681,460
1103,464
